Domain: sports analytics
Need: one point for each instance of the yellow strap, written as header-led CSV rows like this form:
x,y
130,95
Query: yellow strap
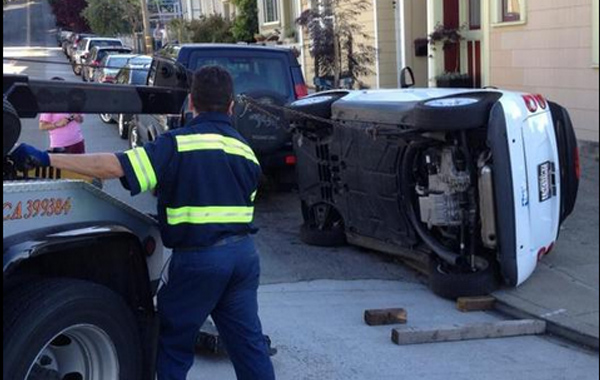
x,y
190,143
209,215
142,167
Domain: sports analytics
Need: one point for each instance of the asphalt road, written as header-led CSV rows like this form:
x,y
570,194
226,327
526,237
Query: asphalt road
x,y
284,258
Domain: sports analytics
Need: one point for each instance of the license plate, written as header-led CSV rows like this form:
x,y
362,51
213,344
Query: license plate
x,y
546,181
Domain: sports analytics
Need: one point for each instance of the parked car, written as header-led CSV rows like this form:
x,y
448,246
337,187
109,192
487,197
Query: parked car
x,y
133,75
268,74
70,45
85,45
62,36
110,66
95,57
480,180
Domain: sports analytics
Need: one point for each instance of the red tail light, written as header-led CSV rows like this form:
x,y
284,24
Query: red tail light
x,y
541,101
577,163
530,103
108,79
291,160
301,91
95,63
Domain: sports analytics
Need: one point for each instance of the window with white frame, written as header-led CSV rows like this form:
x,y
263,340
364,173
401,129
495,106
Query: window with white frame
x,y
595,40
271,11
510,11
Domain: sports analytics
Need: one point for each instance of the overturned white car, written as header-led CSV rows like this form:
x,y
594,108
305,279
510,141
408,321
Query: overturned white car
x,y
480,180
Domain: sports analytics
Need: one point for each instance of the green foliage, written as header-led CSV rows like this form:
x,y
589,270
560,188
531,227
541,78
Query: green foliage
x,y
208,29
245,25
113,17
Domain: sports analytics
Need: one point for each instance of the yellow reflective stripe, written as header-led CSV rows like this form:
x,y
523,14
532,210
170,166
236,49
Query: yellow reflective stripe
x,y
253,196
142,168
212,214
190,143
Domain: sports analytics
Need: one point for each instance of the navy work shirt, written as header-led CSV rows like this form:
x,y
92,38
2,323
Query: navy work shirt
x,y
207,178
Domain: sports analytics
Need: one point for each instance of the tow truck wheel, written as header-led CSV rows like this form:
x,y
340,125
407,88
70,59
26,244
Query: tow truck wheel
x,y
449,282
69,329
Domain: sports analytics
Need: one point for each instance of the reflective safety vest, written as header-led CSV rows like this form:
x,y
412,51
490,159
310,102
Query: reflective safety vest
x,y
207,180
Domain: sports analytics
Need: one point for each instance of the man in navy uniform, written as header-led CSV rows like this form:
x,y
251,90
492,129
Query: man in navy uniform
x,y
207,177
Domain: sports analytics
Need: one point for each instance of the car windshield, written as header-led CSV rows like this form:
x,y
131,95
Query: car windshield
x,y
95,43
117,62
252,74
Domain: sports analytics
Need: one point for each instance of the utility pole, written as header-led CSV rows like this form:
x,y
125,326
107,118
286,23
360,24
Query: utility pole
x,y
147,36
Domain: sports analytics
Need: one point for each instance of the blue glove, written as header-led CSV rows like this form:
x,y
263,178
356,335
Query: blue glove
x,y
27,157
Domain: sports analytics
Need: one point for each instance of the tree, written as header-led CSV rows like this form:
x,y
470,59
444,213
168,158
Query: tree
x,y
114,17
68,14
207,29
338,43
245,25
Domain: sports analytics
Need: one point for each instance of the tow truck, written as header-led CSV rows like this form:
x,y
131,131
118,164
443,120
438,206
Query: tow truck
x,y
80,268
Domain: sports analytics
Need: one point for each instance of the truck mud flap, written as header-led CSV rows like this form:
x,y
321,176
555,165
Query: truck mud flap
x,y
503,188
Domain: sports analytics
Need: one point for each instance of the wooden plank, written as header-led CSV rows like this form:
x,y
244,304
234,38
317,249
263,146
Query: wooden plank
x,y
502,329
475,303
380,317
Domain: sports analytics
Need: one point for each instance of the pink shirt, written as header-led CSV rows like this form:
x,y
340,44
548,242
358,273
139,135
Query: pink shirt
x,y
62,137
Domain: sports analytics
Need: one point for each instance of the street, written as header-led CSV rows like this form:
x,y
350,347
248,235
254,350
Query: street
x,y
312,299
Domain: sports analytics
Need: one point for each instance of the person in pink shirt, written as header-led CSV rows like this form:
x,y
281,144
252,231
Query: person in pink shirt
x,y
65,131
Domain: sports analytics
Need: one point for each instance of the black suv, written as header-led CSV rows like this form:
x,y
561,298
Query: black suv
x,y
271,76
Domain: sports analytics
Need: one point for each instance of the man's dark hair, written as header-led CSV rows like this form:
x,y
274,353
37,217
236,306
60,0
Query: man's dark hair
x,y
212,89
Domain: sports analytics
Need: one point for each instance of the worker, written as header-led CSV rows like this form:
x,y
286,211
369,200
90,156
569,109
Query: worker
x,y
207,177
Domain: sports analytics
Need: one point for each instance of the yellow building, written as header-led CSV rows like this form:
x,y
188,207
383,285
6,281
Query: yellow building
x,y
537,46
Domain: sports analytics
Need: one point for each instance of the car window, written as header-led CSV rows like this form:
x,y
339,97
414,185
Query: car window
x,y
94,43
117,62
251,73
139,76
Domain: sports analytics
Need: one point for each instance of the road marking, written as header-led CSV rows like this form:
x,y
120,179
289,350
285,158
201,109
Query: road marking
x,y
553,313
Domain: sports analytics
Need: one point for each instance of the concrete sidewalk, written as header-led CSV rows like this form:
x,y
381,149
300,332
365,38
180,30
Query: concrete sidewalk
x,y
319,331
564,288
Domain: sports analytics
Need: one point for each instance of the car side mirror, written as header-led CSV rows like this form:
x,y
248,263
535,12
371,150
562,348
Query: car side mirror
x,y
407,78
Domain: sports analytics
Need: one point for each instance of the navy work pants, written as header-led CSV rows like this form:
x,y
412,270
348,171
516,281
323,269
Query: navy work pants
x,y
220,281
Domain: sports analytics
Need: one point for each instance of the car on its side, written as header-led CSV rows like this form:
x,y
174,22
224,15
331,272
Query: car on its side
x,y
478,181
135,73
269,75
85,45
94,60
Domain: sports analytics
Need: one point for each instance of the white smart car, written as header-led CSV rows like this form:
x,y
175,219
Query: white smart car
x,y
480,180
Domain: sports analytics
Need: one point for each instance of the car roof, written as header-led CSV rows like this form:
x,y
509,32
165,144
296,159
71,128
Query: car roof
x,y
128,56
244,47
112,48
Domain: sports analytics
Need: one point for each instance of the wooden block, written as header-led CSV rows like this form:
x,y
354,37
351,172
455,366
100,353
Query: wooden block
x,y
379,317
475,303
502,329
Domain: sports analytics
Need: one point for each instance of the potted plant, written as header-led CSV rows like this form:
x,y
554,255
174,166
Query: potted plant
x,y
454,80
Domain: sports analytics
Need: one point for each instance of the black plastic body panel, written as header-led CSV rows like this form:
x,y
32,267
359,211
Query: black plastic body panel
x,y
569,156
505,200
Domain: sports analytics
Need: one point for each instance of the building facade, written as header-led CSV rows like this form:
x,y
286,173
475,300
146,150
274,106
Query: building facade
x,y
194,9
536,46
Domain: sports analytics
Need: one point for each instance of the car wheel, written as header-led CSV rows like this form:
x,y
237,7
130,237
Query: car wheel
x,y
69,329
316,105
451,282
455,112
323,226
134,137
106,118
123,127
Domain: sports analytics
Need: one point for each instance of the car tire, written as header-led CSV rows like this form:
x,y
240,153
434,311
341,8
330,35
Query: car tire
x,y
106,118
452,284
88,323
317,105
123,127
322,238
455,112
77,69
11,124
134,137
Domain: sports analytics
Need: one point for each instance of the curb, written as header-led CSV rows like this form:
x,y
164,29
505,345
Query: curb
x,y
570,333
